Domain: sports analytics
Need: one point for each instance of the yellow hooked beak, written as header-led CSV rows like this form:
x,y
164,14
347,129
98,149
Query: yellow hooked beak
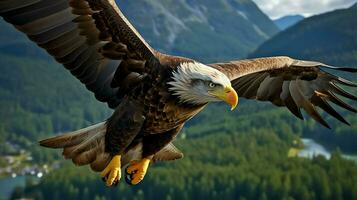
x,y
228,94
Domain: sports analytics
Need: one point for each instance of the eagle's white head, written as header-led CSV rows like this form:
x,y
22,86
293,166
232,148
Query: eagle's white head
x,y
196,83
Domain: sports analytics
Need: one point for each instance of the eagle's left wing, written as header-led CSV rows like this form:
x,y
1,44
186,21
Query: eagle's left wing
x,y
292,83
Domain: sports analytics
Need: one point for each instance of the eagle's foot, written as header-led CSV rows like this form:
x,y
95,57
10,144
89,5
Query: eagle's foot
x,y
111,174
136,171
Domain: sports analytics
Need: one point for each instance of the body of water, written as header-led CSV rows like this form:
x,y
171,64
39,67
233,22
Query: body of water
x,y
8,184
312,149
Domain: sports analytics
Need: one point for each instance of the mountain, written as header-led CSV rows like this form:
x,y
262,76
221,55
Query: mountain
x,y
329,37
201,28
287,21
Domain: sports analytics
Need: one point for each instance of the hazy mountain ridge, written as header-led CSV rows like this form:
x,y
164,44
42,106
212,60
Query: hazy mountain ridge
x,y
329,37
288,21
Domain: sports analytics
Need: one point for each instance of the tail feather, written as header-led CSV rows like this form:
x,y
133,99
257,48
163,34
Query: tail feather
x,y
89,143
85,157
84,146
101,161
72,138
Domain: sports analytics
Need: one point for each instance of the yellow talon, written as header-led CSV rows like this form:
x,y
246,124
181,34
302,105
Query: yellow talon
x,y
112,172
137,170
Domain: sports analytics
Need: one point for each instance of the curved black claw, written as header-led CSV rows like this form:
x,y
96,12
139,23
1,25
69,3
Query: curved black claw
x,y
128,177
104,179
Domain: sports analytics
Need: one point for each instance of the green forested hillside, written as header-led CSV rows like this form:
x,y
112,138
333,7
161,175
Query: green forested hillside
x,y
39,98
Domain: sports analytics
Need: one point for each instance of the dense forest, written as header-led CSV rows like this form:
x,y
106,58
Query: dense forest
x,y
233,155
224,165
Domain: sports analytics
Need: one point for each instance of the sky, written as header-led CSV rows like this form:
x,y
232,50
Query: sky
x,y
278,8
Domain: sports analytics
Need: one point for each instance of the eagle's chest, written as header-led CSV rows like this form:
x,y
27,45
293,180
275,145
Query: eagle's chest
x,y
163,112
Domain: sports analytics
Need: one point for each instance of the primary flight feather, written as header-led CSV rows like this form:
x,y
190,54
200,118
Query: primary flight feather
x,y
154,94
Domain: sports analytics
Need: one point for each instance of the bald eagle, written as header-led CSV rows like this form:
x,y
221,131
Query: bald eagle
x,y
154,94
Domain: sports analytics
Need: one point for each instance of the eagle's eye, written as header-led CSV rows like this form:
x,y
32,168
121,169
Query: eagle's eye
x,y
212,85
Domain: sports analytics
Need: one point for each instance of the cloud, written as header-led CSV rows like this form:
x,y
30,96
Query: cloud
x,y
279,8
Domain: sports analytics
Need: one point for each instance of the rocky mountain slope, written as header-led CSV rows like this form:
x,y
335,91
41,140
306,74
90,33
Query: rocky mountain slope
x,y
207,30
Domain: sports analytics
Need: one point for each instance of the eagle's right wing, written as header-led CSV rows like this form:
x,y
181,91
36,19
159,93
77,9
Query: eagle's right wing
x,y
91,38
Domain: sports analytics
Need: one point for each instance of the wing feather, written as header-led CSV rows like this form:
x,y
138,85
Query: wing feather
x,y
334,99
252,90
336,89
263,90
8,5
302,101
323,104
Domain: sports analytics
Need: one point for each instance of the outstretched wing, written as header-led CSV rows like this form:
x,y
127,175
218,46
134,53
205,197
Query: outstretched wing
x,y
292,83
91,38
